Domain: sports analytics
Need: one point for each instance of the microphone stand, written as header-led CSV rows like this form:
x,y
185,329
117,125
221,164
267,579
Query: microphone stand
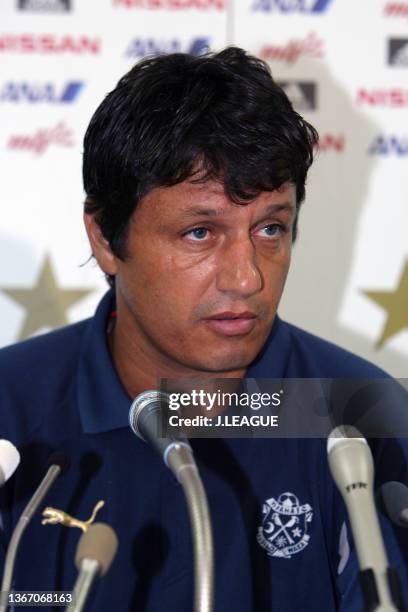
x,y
145,418
90,569
51,475
180,460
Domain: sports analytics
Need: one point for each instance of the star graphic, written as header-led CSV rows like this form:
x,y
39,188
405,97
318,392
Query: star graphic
x,y
396,304
296,532
45,303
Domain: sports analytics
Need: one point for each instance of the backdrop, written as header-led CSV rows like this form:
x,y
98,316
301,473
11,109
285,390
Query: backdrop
x,y
343,63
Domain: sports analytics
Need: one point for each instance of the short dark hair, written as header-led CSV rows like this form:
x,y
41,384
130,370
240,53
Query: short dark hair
x,y
222,111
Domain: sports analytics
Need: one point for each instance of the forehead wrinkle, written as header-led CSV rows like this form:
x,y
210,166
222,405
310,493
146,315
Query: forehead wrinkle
x,y
200,212
218,212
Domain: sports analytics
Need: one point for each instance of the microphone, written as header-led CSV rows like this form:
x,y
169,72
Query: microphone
x,y
94,554
352,467
9,460
58,463
392,500
145,418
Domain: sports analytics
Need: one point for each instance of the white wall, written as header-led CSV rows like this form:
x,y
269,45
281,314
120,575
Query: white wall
x,y
354,225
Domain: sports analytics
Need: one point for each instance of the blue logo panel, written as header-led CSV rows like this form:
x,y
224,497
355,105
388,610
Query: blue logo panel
x,y
291,6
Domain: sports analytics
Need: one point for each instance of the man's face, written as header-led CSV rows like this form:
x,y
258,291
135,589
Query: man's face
x,y
201,284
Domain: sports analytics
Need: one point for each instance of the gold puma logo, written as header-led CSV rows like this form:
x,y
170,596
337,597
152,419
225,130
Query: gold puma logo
x,y
52,516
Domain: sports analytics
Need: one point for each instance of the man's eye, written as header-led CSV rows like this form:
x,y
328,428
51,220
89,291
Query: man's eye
x,y
198,233
272,230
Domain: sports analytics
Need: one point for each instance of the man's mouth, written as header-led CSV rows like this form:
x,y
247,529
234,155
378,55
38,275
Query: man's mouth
x,y
232,323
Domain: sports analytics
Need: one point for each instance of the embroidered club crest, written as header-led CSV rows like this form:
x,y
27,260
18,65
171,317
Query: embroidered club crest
x,y
284,529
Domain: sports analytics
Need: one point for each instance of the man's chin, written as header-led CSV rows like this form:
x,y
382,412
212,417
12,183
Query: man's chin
x,y
228,364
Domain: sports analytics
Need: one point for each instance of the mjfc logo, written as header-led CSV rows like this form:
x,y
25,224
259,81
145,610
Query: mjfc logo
x,y
289,52
334,143
291,6
35,93
284,529
396,9
39,142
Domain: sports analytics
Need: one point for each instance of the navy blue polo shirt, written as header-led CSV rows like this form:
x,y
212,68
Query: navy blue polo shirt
x,y
61,391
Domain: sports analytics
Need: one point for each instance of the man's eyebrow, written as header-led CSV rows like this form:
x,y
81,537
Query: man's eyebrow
x,y
218,212
282,207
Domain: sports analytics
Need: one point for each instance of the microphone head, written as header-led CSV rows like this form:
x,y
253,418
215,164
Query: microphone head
x,y
61,460
148,401
350,461
392,500
146,419
342,435
100,543
9,458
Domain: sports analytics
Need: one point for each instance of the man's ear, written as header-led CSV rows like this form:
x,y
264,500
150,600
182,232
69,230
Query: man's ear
x,y
100,246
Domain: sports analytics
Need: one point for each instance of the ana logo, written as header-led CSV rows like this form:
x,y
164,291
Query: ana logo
x,y
389,145
45,6
291,6
284,529
140,47
302,94
311,46
398,52
35,93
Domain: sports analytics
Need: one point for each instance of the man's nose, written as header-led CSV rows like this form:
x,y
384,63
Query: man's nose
x,y
238,271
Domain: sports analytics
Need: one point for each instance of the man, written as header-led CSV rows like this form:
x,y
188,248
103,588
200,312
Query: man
x,y
194,169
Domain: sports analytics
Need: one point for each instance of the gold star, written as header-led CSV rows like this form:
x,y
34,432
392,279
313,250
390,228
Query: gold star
x,y
45,303
396,305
